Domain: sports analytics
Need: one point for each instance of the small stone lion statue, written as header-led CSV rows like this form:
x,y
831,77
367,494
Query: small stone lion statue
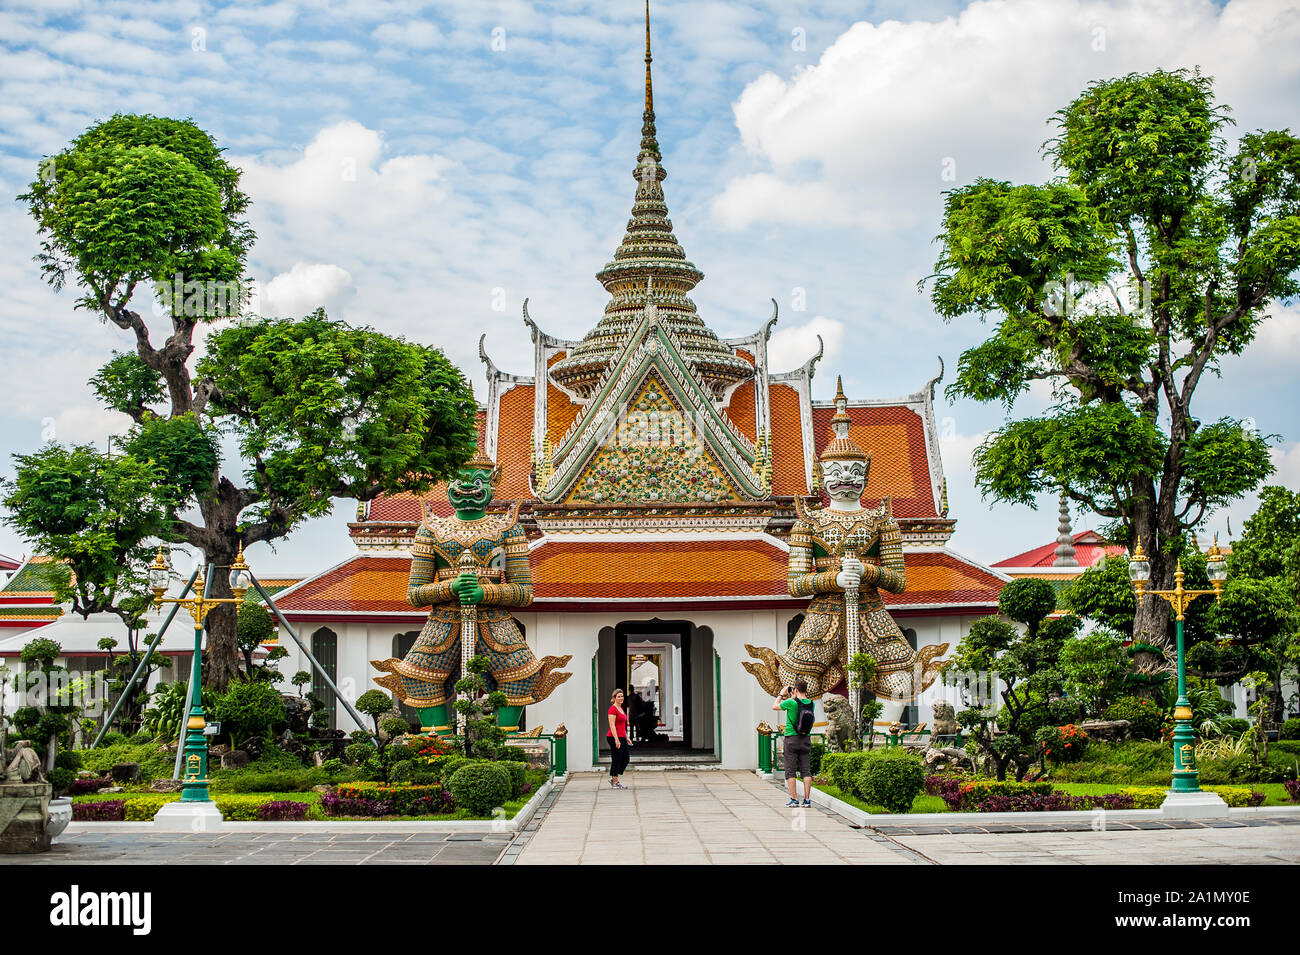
x,y
840,737
944,723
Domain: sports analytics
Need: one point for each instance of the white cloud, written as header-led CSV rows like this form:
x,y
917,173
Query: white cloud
x,y
790,347
303,288
895,112
415,34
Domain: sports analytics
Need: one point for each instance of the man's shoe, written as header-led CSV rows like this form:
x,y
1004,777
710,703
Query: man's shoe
x,y
792,804
807,802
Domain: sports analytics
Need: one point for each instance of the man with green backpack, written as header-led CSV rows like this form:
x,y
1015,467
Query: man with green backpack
x,y
796,747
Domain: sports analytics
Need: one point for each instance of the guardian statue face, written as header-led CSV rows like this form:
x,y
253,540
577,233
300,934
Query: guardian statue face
x,y
845,480
471,490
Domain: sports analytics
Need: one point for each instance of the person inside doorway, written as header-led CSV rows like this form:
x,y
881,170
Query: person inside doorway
x,y
635,714
796,746
619,746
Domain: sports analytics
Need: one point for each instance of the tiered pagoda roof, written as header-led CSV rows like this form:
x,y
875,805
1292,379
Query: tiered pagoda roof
x,y
649,265
655,464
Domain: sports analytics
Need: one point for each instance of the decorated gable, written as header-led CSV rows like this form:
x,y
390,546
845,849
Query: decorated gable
x,y
654,453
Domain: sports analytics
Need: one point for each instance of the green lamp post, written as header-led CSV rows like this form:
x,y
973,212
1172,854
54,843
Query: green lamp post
x,y
1185,775
194,786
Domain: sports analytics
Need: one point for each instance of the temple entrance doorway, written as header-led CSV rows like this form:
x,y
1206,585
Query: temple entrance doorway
x,y
665,669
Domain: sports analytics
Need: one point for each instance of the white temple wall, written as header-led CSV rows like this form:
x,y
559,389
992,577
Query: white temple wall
x,y
742,704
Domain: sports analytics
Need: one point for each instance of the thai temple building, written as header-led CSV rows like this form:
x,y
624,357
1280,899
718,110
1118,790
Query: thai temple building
x,y
656,469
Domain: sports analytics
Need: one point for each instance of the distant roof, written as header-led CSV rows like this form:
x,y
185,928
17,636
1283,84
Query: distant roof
x,y
35,578
1089,548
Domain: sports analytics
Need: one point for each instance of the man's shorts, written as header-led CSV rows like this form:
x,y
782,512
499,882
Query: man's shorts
x,y
797,753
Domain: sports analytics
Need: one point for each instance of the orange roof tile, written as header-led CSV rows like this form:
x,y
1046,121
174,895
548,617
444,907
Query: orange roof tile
x,y
577,575
658,570
363,583
788,474
943,578
895,437
741,410
514,442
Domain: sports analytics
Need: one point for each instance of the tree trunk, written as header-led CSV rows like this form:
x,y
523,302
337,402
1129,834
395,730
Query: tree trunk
x,y
1151,619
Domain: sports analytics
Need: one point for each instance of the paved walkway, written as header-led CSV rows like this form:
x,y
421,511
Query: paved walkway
x,y
684,817
736,817
385,844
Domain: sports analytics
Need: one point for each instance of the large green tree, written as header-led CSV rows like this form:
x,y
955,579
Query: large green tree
x,y
1150,202
141,206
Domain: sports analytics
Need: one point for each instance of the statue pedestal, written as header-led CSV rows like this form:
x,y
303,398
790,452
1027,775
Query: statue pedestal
x,y
24,817
1197,805
188,817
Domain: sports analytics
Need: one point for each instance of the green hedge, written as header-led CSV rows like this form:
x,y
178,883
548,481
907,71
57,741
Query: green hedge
x,y
891,778
480,787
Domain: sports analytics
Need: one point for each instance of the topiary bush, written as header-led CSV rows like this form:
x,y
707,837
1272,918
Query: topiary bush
x,y
891,778
449,766
518,776
403,771
358,753
480,787
1145,718
250,710
1290,729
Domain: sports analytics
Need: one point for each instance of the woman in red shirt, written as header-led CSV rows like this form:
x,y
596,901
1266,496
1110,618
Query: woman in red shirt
x,y
619,752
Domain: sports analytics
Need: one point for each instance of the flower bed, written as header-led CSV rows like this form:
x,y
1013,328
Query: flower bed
x,y
377,799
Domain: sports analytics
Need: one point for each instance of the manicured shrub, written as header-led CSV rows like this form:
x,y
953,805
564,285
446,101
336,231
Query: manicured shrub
x,y
972,795
82,787
1235,726
68,759
480,787
1293,789
1145,718
1062,744
358,753
891,778
515,753
841,769
815,760
1290,729
1146,797
142,808
377,799
402,772
333,766
104,810
61,779
518,776
112,738
1238,797
450,766
250,710
279,809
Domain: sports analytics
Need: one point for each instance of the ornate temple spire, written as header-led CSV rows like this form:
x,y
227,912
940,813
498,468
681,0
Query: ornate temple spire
x,y
841,446
650,250
1065,554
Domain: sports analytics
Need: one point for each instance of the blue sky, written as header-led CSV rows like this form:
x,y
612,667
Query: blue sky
x,y
422,167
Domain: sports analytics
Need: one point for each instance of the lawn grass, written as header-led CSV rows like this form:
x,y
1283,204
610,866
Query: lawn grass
x,y
922,803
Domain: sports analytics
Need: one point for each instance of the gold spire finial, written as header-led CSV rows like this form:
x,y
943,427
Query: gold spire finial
x,y
649,91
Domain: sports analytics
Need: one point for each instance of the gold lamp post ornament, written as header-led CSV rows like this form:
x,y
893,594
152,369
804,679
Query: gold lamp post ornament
x,y
1185,774
194,787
